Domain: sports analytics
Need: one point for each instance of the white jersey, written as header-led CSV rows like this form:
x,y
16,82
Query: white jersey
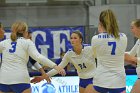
x,y
14,60
84,63
110,72
136,51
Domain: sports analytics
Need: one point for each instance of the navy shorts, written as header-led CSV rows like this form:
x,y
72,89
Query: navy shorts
x,y
85,82
17,88
109,90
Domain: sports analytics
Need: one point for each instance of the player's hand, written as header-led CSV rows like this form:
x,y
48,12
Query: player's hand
x,y
60,70
37,79
46,77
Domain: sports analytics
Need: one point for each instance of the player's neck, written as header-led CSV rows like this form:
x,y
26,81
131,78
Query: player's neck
x,y
78,49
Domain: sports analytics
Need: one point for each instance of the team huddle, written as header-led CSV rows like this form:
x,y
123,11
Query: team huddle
x,y
107,75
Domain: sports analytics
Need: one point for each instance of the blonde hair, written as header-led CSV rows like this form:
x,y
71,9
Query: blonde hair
x,y
19,27
109,22
136,22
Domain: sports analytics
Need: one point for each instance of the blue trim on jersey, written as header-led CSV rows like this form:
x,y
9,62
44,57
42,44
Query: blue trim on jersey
x,y
106,35
85,82
109,90
16,88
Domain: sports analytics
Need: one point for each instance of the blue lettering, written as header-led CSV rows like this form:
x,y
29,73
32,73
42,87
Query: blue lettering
x,y
69,89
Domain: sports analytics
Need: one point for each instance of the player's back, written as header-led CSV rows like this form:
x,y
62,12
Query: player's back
x,y
110,51
15,51
110,60
14,59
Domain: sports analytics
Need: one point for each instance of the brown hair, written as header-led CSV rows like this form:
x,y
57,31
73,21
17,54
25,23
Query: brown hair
x,y
79,34
19,27
109,22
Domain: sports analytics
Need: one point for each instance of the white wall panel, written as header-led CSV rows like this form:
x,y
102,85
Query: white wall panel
x,y
124,13
45,15
138,11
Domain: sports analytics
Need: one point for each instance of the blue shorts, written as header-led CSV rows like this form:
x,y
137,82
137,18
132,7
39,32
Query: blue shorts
x,y
109,90
85,82
17,88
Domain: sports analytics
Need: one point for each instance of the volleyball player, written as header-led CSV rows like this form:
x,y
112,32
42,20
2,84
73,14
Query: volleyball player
x,y
135,52
83,61
109,47
14,75
33,62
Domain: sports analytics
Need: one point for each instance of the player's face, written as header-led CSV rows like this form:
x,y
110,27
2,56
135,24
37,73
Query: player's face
x,y
29,36
1,33
135,30
75,40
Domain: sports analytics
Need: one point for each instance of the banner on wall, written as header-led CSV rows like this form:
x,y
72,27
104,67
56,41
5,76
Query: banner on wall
x,y
51,41
70,84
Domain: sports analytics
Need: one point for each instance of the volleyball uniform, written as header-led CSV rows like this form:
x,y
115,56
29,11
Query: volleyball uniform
x,y
84,63
136,51
110,72
15,57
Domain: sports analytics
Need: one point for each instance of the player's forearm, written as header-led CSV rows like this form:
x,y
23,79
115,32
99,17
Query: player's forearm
x,y
56,69
42,71
37,66
52,72
130,59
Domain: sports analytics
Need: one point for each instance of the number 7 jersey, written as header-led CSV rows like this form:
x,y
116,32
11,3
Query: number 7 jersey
x,y
110,72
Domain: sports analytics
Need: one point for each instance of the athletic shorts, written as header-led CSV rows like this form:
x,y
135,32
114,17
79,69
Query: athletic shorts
x,y
85,82
17,88
109,90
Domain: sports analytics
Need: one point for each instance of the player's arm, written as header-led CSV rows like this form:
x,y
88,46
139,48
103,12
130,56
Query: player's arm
x,y
40,68
130,57
94,43
63,64
33,52
133,51
42,77
45,75
49,74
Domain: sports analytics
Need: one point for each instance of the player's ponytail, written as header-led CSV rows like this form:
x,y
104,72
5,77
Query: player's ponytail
x,y
13,36
109,22
18,28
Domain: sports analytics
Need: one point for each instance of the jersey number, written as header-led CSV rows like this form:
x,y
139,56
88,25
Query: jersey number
x,y
13,49
82,65
113,44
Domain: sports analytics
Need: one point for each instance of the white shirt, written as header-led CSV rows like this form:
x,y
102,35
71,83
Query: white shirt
x,y
110,72
136,51
84,63
14,60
